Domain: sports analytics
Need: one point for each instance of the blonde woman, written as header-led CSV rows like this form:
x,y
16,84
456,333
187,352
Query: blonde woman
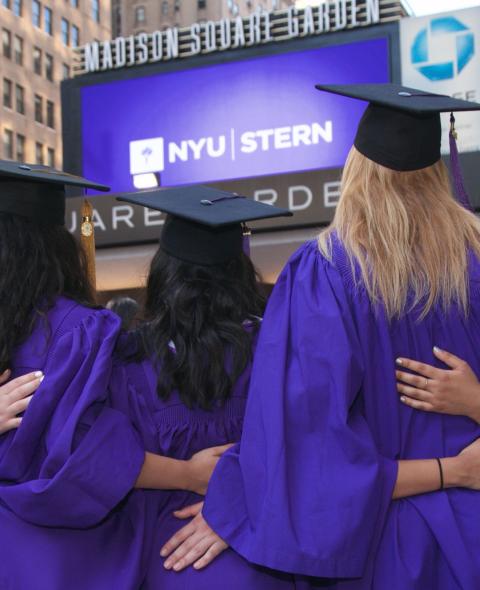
x,y
334,478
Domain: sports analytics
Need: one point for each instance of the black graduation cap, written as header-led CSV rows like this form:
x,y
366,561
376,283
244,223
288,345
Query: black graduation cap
x,y
401,126
203,225
38,192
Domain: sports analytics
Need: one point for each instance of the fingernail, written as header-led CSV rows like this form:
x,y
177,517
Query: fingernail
x,y
38,374
163,553
403,399
436,349
42,378
399,361
176,567
167,565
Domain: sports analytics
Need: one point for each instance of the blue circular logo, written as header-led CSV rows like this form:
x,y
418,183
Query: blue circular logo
x,y
451,30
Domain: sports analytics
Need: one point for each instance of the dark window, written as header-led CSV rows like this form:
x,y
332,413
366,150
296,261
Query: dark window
x,y
7,93
75,36
38,109
176,6
140,14
39,153
202,4
50,114
36,13
17,7
164,7
65,31
20,148
66,71
49,67
6,3
7,43
8,144
47,16
96,10
18,50
51,157
20,99
37,61
74,3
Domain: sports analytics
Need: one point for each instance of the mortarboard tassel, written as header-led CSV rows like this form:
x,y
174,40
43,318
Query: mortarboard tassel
x,y
87,239
247,232
458,183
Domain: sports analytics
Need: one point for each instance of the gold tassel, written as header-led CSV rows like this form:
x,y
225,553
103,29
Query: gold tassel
x,y
87,239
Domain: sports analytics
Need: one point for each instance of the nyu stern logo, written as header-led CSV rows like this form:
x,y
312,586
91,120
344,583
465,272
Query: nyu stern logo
x,y
441,50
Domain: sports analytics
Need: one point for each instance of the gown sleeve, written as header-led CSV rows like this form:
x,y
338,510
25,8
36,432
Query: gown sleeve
x,y
306,490
74,457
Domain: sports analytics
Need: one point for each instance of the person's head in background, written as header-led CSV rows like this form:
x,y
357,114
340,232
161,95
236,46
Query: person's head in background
x,y
203,299
397,215
126,308
39,258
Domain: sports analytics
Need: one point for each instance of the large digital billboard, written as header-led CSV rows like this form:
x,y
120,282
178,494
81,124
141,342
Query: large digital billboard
x,y
256,117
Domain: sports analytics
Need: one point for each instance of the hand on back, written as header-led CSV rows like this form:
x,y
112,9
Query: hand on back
x,y
454,391
15,396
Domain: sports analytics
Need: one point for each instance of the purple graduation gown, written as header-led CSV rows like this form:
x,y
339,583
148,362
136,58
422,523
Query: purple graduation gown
x,y
67,520
171,429
309,488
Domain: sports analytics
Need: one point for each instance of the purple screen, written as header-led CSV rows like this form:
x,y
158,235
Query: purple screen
x,y
256,117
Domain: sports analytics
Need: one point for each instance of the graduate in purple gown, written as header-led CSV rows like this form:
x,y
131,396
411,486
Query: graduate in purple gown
x,y
69,517
334,477
187,388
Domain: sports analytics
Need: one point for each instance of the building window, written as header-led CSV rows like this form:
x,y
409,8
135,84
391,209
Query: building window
x,y
8,144
51,157
17,7
75,36
38,109
201,4
176,6
165,7
65,31
36,13
38,153
7,43
37,61
20,99
47,16
96,10
18,50
65,71
6,3
50,114
140,14
74,3
20,148
7,93
49,67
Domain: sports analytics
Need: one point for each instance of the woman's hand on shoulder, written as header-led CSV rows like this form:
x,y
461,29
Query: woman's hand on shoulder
x,y
454,391
15,396
196,543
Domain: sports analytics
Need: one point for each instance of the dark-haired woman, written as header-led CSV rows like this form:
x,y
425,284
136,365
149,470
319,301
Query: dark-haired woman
x,y
188,388
68,516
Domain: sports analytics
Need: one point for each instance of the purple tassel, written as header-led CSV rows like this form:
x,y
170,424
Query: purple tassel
x,y
459,186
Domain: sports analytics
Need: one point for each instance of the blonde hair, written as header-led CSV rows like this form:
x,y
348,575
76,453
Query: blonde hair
x,y
407,234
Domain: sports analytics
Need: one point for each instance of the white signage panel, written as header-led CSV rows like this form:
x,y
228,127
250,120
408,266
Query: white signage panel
x,y
440,53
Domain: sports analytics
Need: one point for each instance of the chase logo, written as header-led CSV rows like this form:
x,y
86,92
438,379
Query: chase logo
x,y
441,50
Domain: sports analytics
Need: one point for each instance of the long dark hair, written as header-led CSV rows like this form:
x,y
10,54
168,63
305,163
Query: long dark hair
x,y
38,262
195,326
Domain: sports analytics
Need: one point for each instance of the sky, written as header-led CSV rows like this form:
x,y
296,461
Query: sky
x,y
419,7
